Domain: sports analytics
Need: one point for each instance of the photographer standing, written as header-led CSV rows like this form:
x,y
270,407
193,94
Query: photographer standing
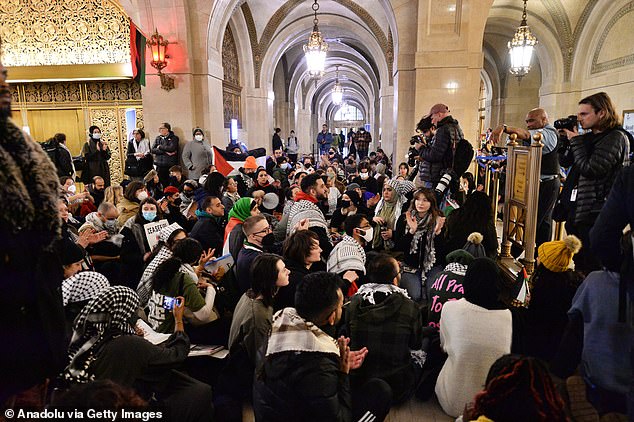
x,y
549,183
425,132
435,154
598,155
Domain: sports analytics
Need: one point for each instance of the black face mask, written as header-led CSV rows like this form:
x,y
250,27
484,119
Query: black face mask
x,y
178,201
268,241
345,204
188,194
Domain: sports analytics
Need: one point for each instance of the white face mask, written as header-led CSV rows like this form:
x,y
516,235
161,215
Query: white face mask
x,y
198,137
96,136
364,176
72,188
369,234
142,195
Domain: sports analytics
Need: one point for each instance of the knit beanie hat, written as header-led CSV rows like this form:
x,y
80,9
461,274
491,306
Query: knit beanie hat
x,y
166,232
347,255
354,197
474,245
250,163
198,130
556,255
460,256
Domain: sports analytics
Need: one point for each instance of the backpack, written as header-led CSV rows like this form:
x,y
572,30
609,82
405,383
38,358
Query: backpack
x,y
461,154
51,148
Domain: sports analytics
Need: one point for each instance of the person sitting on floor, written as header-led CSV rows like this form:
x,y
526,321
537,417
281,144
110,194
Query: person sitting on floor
x,y
304,374
105,346
378,308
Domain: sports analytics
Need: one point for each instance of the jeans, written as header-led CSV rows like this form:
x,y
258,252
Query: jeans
x,y
414,286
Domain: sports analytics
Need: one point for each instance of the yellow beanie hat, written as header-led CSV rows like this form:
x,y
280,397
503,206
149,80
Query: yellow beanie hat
x,y
556,255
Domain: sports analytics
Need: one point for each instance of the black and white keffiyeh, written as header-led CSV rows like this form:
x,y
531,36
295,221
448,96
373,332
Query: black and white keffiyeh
x,y
104,318
368,290
83,286
305,209
144,289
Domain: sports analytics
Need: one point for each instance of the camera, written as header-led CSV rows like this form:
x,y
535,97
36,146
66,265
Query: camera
x,y
566,122
416,139
169,302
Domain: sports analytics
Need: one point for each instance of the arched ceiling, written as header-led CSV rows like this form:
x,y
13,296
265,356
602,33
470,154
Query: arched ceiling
x,y
359,34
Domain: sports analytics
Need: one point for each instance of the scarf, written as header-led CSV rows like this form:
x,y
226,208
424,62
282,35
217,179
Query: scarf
x,y
233,196
205,214
104,318
389,211
144,289
299,196
292,333
83,286
241,209
426,234
368,290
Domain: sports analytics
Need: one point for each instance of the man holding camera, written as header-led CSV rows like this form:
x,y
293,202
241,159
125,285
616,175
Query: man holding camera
x,y
549,183
597,157
435,154
425,131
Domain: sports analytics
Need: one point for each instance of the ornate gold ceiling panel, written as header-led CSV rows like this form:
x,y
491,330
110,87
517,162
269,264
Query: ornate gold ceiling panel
x,y
63,32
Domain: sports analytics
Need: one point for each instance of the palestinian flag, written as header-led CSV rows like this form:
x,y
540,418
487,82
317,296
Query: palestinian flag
x,y
228,163
137,53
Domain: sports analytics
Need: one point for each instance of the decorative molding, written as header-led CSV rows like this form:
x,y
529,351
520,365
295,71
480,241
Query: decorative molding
x,y
253,39
45,33
231,89
76,94
615,63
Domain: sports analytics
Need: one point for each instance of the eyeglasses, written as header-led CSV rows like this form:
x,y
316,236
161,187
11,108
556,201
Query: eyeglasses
x,y
266,230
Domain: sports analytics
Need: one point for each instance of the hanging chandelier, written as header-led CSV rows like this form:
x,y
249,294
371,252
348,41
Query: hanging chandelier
x,y
337,90
521,48
315,50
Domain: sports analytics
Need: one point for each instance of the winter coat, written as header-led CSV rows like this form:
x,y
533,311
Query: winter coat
x,y
209,232
598,158
305,387
197,156
163,145
437,156
138,167
96,162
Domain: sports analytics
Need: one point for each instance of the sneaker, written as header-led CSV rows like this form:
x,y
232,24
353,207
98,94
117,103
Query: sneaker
x,y
580,408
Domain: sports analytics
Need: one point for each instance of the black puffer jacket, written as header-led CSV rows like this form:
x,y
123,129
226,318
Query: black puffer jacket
x,y
598,158
162,146
301,387
437,156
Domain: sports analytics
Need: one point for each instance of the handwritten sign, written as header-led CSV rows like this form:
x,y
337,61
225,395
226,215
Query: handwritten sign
x,y
152,231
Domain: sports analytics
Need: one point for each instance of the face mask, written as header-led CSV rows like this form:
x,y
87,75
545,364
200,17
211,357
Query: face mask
x,y
345,204
178,201
188,193
110,225
149,215
287,166
198,137
72,188
369,234
364,176
268,241
142,195
331,175
96,136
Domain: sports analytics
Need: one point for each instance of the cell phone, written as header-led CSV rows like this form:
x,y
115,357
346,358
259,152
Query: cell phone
x,y
383,228
169,302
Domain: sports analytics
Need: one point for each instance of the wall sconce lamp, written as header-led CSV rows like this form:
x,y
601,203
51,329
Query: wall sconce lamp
x,y
158,47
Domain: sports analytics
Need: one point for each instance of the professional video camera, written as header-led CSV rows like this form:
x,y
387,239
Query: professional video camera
x,y
566,122
416,139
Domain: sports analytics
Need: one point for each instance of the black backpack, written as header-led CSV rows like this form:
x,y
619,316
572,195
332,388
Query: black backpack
x,y
461,153
51,148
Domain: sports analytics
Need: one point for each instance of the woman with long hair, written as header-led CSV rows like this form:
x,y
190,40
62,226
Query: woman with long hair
x,y
230,195
250,328
518,389
387,212
350,204
474,215
474,332
177,277
415,236
168,236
